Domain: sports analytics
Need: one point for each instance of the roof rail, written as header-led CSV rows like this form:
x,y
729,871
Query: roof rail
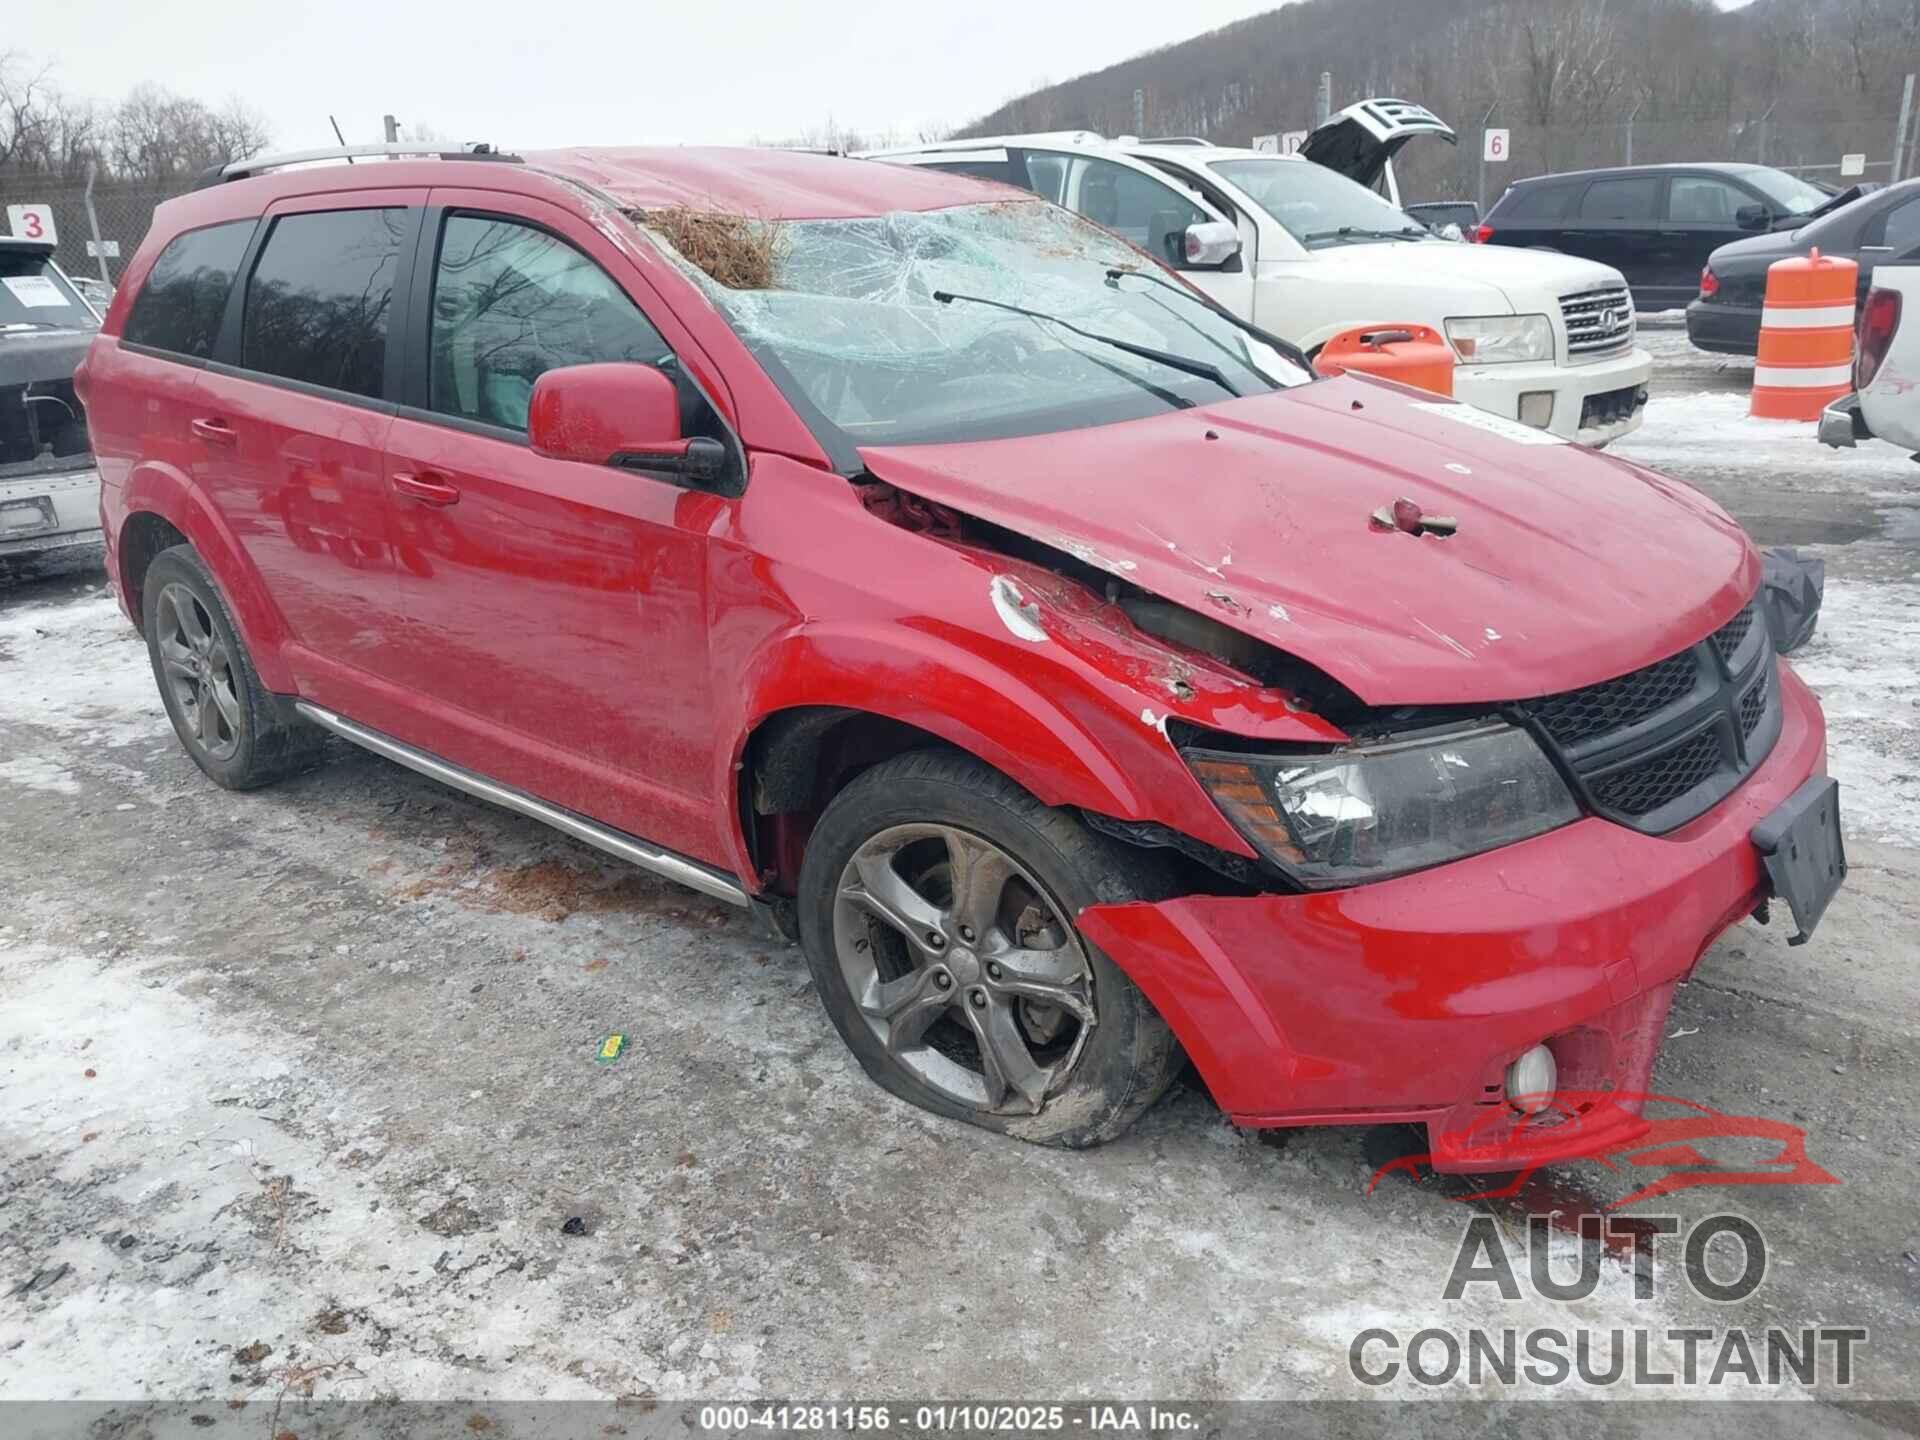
x,y
416,150
1175,140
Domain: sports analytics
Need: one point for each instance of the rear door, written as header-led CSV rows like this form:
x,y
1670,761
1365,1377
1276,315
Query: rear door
x,y
553,614
1617,222
291,424
1701,211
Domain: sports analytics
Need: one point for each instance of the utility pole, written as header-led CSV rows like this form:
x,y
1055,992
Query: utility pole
x,y
1323,99
1766,130
1139,113
93,224
1900,134
1630,114
1482,197
393,129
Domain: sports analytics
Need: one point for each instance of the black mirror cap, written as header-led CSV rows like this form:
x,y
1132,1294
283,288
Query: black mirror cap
x,y
1753,217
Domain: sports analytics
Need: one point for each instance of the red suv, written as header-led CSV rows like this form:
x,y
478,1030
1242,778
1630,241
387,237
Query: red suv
x,y
1083,682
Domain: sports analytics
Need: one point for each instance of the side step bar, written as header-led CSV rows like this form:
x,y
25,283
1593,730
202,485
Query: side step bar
x,y
637,852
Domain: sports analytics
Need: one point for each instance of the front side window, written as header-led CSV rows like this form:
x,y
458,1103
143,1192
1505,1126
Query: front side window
x,y
181,305
321,298
510,303
1320,207
1700,200
1139,208
1900,228
906,328
1620,200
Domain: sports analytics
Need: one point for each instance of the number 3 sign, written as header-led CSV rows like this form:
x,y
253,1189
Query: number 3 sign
x,y
31,222
1494,147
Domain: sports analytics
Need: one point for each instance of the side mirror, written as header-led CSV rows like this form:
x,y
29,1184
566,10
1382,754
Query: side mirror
x,y
1753,217
617,414
1451,231
1212,242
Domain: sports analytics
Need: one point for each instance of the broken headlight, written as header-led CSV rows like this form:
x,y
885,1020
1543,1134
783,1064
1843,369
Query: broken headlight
x,y
1340,817
1498,339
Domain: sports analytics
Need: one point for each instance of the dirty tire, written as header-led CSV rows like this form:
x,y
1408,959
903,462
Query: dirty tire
x,y
1126,1058
267,743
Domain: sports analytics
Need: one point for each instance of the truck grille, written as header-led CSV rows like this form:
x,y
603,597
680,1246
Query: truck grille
x,y
1598,321
1657,747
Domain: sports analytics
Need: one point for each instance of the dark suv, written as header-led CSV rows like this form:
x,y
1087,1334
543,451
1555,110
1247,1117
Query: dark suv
x,y
1656,224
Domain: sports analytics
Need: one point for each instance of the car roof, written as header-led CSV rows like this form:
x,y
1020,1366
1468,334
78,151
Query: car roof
x,y
1721,167
1204,154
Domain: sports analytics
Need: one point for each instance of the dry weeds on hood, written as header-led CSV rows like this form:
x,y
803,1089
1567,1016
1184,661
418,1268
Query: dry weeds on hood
x,y
741,252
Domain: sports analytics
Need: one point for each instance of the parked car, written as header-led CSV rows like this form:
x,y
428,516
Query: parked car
x,y
1878,227
1656,224
1450,219
49,490
1884,404
1306,253
930,571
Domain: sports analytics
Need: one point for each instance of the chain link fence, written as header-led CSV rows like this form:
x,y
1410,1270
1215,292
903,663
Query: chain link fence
x,y
1807,145
124,211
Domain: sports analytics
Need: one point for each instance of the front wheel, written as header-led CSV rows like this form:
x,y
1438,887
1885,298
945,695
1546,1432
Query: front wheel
x,y
936,910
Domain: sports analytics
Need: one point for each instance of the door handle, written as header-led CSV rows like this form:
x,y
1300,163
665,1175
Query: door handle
x,y
214,432
428,487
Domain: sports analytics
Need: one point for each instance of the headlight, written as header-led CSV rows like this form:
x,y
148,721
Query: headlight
x,y
1340,817
1498,339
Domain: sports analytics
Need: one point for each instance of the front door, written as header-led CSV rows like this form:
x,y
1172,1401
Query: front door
x,y
554,613
1702,213
1617,222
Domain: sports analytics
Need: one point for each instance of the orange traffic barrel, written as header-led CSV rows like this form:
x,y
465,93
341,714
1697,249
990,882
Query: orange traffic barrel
x,y
1805,360
1412,354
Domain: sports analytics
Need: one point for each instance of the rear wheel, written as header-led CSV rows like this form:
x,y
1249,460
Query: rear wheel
x,y
936,908
231,726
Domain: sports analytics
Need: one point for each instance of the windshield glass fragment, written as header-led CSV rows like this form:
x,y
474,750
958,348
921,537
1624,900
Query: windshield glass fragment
x,y
848,318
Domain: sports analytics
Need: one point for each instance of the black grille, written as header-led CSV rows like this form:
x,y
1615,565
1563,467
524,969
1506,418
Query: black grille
x,y
1644,788
1728,639
1616,704
1654,748
1610,407
1753,705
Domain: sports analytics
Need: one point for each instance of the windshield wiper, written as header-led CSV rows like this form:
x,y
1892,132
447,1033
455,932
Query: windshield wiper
x,y
1186,364
1350,232
1208,303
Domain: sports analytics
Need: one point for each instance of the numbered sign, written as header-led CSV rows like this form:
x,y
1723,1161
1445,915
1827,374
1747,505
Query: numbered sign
x,y
1495,147
109,248
1852,165
32,222
1292,140
1267,144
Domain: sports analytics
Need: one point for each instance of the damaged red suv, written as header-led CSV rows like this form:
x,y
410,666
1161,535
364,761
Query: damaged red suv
x,y
1083,682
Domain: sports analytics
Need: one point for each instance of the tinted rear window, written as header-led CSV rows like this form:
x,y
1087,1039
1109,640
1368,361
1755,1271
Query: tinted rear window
x,y
180,306
1537,202
1633,199
320,299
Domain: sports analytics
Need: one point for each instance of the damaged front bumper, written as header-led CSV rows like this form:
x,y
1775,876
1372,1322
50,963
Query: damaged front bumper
x,y
1406,1000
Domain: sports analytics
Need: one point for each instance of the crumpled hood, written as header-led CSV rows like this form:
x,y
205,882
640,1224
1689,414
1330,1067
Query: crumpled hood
x,y
1569,566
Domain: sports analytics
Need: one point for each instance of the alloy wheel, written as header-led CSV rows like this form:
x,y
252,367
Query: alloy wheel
x,y
963,966
199,670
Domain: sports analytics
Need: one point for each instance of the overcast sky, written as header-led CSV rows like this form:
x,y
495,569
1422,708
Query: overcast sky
x,y
591,72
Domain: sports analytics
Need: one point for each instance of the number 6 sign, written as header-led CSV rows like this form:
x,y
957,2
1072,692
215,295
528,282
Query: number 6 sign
x,y
1494,146
31,222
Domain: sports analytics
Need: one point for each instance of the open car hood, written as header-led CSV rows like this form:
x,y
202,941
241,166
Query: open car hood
x,y
1568,566
1361,139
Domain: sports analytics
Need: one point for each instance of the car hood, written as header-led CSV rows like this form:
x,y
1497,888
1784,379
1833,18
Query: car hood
x,y
1568,566
1759,249
1532,281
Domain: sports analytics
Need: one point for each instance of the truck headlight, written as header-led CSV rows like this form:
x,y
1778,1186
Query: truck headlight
x,y
1500,339
1340,817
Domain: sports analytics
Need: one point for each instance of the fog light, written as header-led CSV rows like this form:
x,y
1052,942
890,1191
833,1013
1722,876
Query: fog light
x,y
1531,1080
1536,408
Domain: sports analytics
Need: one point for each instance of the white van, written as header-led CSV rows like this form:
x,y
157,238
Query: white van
x,y
1301,250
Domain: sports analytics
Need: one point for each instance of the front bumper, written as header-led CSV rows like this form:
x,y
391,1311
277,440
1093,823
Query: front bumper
x,y
1499,388
1723,329
1407,999
48,510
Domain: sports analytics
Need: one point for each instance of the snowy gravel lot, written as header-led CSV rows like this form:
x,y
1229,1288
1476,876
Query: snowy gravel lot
x,y
296,1088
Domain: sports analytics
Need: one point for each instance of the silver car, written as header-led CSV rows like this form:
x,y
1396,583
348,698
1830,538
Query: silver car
x,y
49,488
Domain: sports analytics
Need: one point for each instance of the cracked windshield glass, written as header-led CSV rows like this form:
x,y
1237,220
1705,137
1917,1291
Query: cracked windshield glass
x,y
977,322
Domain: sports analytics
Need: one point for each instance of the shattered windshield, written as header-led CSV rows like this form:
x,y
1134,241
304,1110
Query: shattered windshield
x,y
903,328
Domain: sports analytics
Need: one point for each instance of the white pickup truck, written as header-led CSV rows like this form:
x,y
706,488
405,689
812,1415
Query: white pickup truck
x,y
1885,403
1304,251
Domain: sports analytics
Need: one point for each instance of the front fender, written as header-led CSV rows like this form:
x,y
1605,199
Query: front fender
x,y
158,488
